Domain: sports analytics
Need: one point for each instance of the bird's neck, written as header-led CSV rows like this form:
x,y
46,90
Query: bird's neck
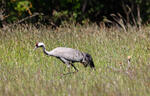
x,y
46,52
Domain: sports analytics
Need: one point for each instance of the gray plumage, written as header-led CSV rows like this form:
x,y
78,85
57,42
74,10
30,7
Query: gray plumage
x,y
69,55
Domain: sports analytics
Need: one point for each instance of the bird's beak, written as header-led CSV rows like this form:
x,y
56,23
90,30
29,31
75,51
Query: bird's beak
x,y
35,48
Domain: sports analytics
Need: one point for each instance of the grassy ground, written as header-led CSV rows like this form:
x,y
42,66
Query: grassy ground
x,y
24,72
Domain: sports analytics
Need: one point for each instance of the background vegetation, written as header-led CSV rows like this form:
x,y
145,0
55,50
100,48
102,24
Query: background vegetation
x,y
111,31
26,72
56,12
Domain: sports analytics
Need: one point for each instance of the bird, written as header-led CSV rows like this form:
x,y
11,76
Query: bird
x,y
68,56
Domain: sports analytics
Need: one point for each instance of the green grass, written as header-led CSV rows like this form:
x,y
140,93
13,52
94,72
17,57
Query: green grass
x,y
24,72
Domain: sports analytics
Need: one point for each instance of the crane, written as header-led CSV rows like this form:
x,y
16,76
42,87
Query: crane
x,y
68,56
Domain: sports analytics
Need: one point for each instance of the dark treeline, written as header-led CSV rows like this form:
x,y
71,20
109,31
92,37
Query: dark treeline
x,y
55,12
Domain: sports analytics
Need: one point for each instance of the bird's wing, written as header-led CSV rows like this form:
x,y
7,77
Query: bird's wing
x,y
67,53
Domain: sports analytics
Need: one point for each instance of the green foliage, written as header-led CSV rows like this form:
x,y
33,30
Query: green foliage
x,y
22,6
139,1
75,10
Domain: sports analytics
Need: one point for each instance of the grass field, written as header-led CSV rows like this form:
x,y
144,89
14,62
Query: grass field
x,y
24,72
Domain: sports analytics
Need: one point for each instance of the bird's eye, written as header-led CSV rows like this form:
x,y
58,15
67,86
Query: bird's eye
x,y
36,44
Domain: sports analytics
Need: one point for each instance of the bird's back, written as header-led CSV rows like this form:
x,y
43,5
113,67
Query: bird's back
x,y
67,53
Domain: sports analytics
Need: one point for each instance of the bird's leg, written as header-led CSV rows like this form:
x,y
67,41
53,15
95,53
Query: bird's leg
x,y
68,63
65,62
74,67
68,67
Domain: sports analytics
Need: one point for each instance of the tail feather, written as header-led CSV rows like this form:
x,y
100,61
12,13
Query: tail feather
x,y
89,60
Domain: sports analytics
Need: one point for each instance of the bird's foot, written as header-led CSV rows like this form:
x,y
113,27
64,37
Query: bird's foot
x,y
69,73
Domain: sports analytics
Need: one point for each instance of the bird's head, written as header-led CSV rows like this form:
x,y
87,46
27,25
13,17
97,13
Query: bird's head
x,y
39,44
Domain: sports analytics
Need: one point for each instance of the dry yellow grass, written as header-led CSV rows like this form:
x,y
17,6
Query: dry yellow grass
x,y
24,72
